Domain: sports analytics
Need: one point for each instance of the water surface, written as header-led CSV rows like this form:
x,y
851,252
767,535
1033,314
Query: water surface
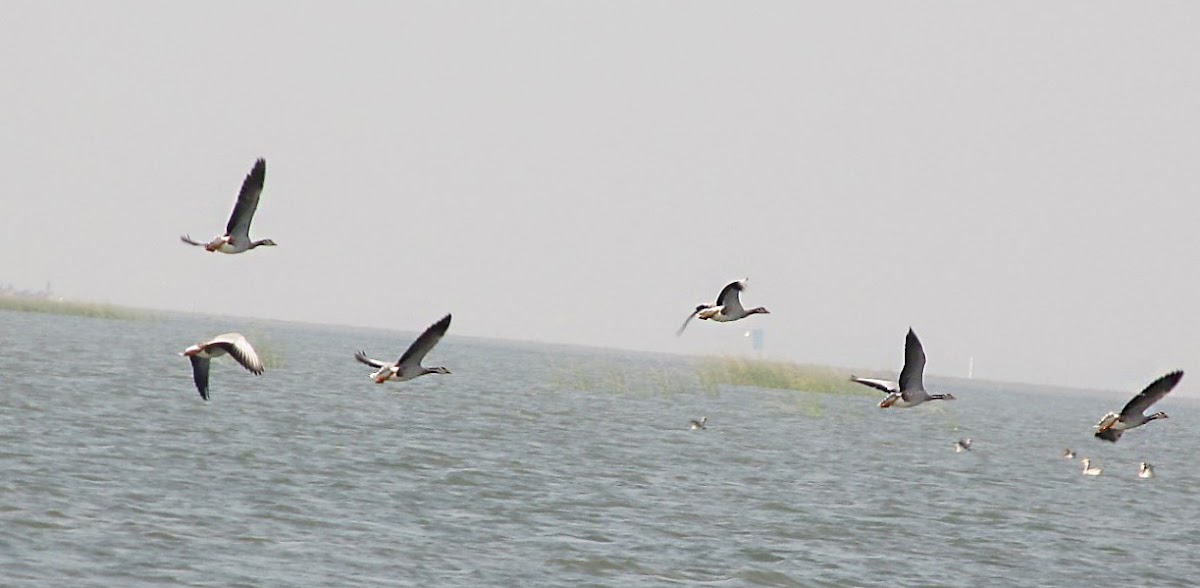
x,y
536,465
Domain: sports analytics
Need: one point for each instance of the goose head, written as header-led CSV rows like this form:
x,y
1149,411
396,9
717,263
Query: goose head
x,y
1158,415
437,370
758,310
267,242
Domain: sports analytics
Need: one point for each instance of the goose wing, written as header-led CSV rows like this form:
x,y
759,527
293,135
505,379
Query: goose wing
x,y
239,348
247,201
362,357
1153,393
914,365
200,374
689,318
190,241
885,386
416,352
729,298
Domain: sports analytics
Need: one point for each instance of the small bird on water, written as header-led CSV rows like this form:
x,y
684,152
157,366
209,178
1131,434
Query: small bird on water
x,y
698,424
1145,470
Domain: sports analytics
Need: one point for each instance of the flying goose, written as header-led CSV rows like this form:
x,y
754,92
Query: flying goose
x,y
237,232
1113,425
910,390
962,445
1088,470
728,307
233,344
1068,454
1145,470
699,424
409,365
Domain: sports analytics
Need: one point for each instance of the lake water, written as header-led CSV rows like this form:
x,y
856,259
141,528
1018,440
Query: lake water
x,y
537,465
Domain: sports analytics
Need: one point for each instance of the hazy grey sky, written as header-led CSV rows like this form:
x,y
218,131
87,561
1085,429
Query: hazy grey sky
x,y
1016,180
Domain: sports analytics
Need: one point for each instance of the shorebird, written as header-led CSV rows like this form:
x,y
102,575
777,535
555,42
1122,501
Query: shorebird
x,y
910,390
409,365
1088,470
699,424
962,445
233,344
727,308
1113,425
1145,470
237,232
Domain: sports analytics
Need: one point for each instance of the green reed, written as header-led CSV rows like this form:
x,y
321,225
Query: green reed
x,y
66,307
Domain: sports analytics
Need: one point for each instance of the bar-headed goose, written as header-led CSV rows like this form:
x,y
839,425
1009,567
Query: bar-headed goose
x,y
728,307
698,424
409,365
962,445
1145,470
910,390
237,232
1113,425
233,344
1088,470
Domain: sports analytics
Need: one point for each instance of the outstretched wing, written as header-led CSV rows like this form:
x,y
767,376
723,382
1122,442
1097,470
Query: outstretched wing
x,y
239,348
885,386
729,299
247,201
190,241
1153,393
416,352
689,318
914,364
200,374
362,357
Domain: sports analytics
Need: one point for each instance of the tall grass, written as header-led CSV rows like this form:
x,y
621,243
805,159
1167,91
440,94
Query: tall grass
x,y
736,371
268,351
88,309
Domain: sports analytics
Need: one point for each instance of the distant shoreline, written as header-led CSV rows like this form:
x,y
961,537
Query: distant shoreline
x,y
51,305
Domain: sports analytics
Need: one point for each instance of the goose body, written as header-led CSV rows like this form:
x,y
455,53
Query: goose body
x,y
1145,470
962,445
409,365
700,424
909,391
727,308
232,344
1113,425
236,238
1088,470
